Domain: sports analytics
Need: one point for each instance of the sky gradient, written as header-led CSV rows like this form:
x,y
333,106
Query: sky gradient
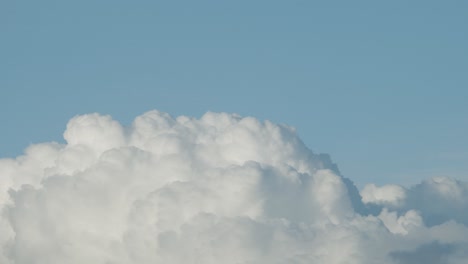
x,y
381,87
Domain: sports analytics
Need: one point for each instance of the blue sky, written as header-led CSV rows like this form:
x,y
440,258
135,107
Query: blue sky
x,y
379,85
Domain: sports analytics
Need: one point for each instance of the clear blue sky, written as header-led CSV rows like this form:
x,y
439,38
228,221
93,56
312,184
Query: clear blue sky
x,y
382,86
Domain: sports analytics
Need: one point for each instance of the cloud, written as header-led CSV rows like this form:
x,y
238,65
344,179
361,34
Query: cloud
x,y
433,253
219,189
438,199
390,195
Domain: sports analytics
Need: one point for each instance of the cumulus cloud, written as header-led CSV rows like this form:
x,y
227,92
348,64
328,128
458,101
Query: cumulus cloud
x,y
219,189
439,199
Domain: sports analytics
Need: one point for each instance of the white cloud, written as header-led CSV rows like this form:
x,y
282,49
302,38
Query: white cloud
x,y
219,189
438,199
400,224
391,195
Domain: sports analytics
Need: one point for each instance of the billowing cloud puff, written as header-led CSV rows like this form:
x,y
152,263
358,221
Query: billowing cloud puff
x,y
438,199
219,189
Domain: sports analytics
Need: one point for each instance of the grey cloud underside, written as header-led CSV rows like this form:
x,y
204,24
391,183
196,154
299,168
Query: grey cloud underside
x,y
433,253
219,189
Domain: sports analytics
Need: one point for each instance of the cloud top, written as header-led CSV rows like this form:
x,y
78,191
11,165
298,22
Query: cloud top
x,y
219,189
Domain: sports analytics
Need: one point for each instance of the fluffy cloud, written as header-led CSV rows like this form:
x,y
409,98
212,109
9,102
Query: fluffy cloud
x,y
439,199
219,189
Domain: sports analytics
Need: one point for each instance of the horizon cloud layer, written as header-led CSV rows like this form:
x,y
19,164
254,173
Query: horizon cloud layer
x,y
219,189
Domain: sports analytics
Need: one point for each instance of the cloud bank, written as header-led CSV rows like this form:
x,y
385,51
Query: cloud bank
x,y
219,189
